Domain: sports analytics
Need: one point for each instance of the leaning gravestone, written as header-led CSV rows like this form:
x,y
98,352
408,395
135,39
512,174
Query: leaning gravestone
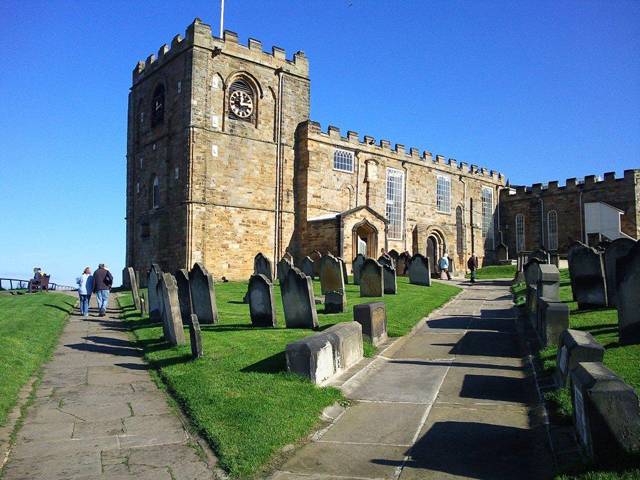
x,y
356,267
606,415
283,267
308,267
184,294
389,275
262,265
586,269
298,300
371,279
171,317
628,296
316,256
420,270
132,281
386,259
195,337
261,304
203,295
153,302
614,251
345,275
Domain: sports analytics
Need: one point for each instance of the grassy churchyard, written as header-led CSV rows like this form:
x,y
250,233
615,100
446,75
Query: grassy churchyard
x,y
239,395
492,272
602,323
30,325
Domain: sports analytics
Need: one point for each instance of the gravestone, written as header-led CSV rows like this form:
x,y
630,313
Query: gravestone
x,y
549,282
420,270
283,267
553,319
393,253
316,256
335,302
184,294
628,296
346,338
606,415
195,337
153,302
586,269
386,259
389,275
502,253
132,282
308,267
616,250
331,274
541,255
531,271
262,265
373,318
356,267
345,275
403,263
261,303
203,295
126,279
371,279
298,300
171,317
575,346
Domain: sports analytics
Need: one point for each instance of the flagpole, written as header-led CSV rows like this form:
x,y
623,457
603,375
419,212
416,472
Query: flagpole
x,y
221,18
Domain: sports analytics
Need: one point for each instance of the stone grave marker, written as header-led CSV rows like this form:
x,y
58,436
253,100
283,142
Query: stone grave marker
x,y
420,270
308,267
541,255
316,256
373,318
628,296
345,275
403,263
586,269
549,282
261,303
153,302
331,274
616,250
553,319
283,267
132,282
575,346
203,295
184,294
298,300
386,259
171,317
262,265
195,337
606,415
371,279
335,302
502,253
390,283
356,267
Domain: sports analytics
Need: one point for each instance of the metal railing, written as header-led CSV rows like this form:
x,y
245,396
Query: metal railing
x,y
17,284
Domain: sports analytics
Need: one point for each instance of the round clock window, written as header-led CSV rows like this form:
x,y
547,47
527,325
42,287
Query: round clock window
x,y
241,101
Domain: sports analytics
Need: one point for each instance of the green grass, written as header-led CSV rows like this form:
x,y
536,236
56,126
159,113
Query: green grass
x,y
29,329
239,396
492,272
602,323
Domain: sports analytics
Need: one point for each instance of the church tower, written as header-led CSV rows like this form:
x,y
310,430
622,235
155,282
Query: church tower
x,y
210,153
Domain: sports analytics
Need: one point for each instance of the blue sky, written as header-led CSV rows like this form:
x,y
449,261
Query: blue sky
x,y
539,90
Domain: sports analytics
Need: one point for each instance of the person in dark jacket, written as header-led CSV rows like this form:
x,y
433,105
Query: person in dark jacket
x,y
102,282
472,265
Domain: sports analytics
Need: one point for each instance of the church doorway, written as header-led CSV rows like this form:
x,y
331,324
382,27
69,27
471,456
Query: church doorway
x,y
365,239
435,249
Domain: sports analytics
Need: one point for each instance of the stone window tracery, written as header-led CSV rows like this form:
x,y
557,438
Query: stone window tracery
x,y
443,194
519,232
394,202
343,161
487,212
155,193
552,230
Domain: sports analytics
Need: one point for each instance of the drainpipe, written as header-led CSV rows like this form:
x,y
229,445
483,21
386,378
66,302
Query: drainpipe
x,y
276,248
583,234
404,206
542,245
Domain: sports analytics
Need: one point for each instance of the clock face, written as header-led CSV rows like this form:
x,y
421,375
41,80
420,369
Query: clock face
x,y
241,104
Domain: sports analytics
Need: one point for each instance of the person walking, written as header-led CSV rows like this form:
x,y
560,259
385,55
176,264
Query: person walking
x,y
443,263
102,282
85,289
472,265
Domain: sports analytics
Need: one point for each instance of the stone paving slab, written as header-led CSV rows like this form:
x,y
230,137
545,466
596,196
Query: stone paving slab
x,y
98,415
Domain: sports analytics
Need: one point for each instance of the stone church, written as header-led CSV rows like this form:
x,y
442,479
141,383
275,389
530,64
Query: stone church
x,y
223,162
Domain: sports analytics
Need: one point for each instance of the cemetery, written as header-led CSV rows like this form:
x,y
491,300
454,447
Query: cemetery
x,y
239,394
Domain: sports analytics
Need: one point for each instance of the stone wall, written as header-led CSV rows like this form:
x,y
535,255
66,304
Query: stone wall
x,y
568,201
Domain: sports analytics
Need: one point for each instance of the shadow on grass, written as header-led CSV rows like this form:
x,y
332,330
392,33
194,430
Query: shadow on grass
x,y
236,302
274,364
58,307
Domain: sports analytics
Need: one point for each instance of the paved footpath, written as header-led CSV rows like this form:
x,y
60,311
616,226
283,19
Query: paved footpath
x,y
98,415
453,401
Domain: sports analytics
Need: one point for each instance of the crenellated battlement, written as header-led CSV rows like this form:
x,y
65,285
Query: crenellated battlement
x,y
383,147
572,184
199,34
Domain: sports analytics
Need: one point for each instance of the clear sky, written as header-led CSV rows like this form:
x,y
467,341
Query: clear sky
x,y
539,90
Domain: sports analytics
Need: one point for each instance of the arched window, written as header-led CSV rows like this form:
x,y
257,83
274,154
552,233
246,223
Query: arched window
x,y
552,230
157,106
459,231
155,193
519,232
242,104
